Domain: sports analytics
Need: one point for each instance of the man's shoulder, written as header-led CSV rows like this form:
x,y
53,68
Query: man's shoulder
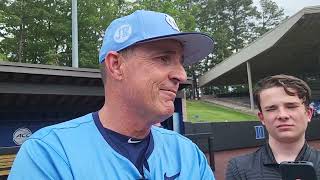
x,y
67,126
247,166
314,156
173,140
248,159
314,150
244,158
169,134
180,152
58,140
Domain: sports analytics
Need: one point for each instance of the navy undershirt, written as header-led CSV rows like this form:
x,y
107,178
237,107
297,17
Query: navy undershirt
x,y
137,153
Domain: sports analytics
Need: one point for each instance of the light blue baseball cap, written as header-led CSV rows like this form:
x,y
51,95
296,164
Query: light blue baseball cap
x,y
145,26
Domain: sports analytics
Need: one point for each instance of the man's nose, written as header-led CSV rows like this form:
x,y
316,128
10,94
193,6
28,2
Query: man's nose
x,y
178,74
283,114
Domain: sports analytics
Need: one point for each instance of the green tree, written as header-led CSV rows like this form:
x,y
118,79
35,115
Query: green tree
x,y
13,24
35,31
231,24
240,18
269,16
40,31
93,18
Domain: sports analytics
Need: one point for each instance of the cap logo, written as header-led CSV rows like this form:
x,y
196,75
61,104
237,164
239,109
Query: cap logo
x,y
171,22
122,33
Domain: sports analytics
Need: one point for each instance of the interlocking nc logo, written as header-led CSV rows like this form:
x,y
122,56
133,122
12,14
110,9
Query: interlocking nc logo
x,y
122,33
172,23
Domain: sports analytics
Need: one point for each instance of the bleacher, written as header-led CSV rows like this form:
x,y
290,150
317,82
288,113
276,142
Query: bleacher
x,y
315,86
237,103
242,103
7,155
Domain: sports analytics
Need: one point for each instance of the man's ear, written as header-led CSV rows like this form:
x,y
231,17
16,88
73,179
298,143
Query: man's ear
x,y
260,116
114,61
309,112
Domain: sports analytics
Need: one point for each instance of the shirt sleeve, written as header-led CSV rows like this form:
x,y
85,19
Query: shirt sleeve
x,y
38,160
205,170
232,172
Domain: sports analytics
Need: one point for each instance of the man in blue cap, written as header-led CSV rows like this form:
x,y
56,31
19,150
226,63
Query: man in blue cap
x,y
142,58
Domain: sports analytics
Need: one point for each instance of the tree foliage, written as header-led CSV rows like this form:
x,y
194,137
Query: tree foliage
x,y
269,16
35,31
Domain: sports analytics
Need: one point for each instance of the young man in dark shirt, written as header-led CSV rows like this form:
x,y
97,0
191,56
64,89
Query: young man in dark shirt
x,y
283,103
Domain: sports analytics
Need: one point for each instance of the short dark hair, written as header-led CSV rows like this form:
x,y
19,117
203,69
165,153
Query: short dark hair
x,y
291,85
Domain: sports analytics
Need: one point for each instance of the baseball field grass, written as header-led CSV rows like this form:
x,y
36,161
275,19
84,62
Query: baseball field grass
x,y
199,111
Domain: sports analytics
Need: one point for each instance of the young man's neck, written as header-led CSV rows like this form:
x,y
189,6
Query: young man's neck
x,y
283,151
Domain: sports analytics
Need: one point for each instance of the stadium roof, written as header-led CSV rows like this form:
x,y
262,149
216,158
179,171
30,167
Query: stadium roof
x,y
292,47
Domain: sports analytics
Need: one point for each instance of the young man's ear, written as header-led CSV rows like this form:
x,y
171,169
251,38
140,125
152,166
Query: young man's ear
x,y
113,65
260,116
309,112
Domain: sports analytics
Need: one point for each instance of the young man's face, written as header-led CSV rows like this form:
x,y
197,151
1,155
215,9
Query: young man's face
x,y
285,117
154,71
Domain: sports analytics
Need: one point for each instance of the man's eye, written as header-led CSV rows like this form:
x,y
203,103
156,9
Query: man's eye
x,y
292,107
164,59
270,109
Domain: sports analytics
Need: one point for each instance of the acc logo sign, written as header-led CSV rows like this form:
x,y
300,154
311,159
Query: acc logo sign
x,y
21,135
172,23
122,33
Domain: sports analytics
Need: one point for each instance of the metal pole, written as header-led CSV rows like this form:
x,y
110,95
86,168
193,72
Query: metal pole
x,y
75,59
211,153
250,86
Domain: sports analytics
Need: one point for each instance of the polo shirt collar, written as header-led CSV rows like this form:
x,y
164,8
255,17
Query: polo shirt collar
x,y
268,157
